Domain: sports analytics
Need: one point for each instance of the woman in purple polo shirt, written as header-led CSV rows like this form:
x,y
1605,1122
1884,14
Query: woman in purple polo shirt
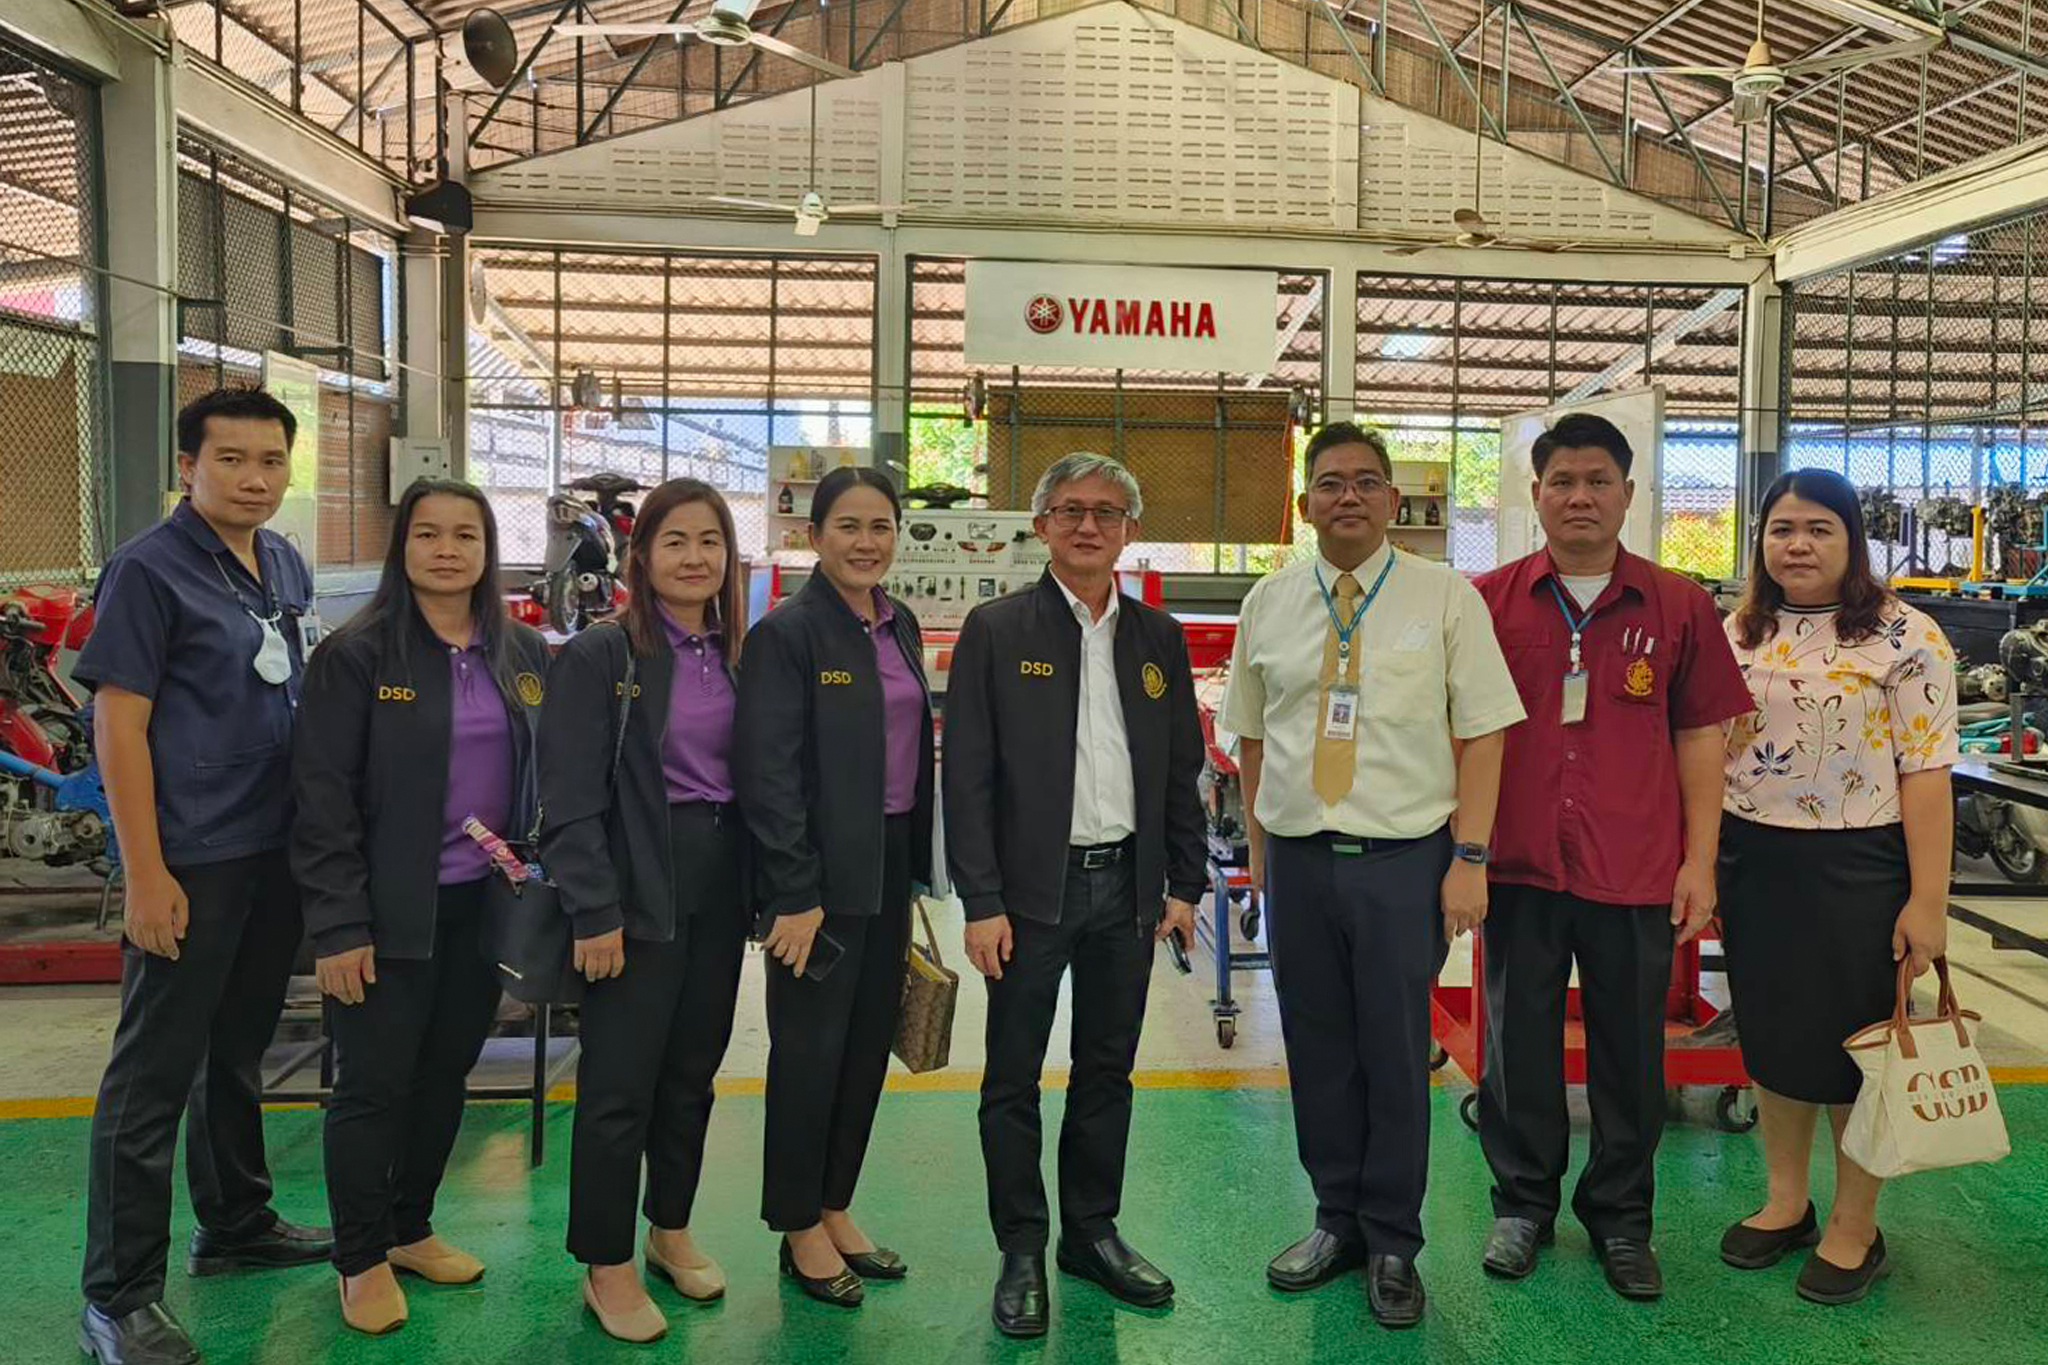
x,y
416,715
651,863
835,742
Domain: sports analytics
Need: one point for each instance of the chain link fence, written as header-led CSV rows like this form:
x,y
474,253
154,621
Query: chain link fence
x,y
265,267
661,365
53,393
1920,377
1214,453
1441,360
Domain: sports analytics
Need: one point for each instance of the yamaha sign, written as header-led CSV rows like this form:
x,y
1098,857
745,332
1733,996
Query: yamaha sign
x,y
1116,317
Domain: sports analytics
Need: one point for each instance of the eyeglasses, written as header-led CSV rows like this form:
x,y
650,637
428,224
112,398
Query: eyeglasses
x,y
1365,485
1069,515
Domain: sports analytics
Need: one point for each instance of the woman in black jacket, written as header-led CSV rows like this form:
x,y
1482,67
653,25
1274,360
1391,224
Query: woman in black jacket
x,y
650,862
416,717
835,776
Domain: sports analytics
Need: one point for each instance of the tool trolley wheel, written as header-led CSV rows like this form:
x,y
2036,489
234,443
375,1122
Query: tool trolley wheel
x,y
1731,1114
1226,1032
1468,1110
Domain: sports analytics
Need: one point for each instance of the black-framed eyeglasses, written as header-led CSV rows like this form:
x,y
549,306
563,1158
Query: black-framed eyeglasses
x,y
1069,515
1365,485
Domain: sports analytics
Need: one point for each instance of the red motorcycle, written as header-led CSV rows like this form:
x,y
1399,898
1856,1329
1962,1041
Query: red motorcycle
x,y
52,808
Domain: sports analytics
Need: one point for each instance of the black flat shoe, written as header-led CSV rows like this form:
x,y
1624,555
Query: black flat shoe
x,y
147,1336
1315,1260
843,1290
1394,1290
879,1264
1511,1246
1631,1267
1117,1267
1021,1295
284,1244
1825,1282
1748,1248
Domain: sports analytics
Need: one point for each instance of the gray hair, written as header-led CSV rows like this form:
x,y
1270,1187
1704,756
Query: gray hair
x,y
1084,464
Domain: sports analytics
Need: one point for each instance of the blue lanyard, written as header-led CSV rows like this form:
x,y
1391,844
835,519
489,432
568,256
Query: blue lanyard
x,y
1344,632
1577,623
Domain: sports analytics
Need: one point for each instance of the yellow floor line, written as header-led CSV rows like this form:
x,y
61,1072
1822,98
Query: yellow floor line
x,y
951,1082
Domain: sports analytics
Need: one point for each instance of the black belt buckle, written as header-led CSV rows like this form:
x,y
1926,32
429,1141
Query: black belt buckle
x,y
1101,856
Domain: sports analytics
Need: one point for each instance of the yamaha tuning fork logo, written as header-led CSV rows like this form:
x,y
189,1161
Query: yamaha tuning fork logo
x,y
1043,314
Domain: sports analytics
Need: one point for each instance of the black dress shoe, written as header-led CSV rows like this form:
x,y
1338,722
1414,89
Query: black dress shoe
x,y
283,1244
1117,1267
1631,1267
879,1264
1021,1295
1825,1282
147,1336
843,1290
1394,1290
1748,1248
1511,1246
1315,1260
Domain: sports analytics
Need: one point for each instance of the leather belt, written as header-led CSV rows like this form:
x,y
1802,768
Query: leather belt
x,y
1097,856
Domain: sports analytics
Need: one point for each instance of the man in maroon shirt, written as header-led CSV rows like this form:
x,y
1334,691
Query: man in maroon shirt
x,y
1610,814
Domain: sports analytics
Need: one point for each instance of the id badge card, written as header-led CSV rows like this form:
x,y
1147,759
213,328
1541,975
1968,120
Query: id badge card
x,y
310,632
1574,697
1340,720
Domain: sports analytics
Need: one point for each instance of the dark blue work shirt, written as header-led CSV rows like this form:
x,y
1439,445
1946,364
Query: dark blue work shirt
x,y
172,621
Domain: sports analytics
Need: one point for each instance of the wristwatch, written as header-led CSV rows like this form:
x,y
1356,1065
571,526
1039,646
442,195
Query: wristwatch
x,y
1470,853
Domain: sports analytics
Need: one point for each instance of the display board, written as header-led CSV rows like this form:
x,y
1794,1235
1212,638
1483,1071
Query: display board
x,y
296,384
1640,415
1121,317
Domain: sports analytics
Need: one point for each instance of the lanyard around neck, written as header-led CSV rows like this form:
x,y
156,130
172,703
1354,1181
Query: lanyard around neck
x,y
1577,624
1345,632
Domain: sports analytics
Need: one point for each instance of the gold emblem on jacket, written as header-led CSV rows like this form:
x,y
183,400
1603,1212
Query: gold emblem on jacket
x,y
1155,682
1031,668
527,685
834,677
396,694
1640,679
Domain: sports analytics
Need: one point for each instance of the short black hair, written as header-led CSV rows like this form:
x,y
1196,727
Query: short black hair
x,y
1582,431
244,401
844,480
1346,434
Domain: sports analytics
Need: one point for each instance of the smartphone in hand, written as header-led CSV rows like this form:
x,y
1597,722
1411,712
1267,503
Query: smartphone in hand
x,y
1179,953
825,954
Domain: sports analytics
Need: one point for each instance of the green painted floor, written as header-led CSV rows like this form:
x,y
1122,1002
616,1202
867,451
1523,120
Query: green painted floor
x,y
1213,1191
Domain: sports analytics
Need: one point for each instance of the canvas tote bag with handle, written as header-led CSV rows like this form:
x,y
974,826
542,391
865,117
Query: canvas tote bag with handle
x,y
1926,1099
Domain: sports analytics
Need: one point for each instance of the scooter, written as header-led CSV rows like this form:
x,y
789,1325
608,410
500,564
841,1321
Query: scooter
x,y
52,807
589,523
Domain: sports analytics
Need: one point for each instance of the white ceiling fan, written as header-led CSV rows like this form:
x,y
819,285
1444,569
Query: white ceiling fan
x,y
1760,76
811,211
728,25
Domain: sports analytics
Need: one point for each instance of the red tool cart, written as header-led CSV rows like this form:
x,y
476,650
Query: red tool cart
x,y
1458,1022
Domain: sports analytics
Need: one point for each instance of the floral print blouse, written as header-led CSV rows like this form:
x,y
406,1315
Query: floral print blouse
x,y
1836,724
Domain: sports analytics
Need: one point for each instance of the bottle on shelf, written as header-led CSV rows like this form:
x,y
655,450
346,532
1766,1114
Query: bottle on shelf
x,y
1406,516
785,502
1433,514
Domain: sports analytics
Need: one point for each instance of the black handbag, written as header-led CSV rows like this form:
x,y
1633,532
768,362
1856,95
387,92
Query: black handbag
x,y
531,939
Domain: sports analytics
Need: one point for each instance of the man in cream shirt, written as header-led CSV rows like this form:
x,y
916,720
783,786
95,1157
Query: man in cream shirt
x,y
1370,698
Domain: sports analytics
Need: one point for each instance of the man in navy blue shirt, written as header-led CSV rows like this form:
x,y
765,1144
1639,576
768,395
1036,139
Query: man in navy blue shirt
x,y
195,657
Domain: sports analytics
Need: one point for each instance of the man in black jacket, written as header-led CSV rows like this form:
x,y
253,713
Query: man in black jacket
x,y
1074,834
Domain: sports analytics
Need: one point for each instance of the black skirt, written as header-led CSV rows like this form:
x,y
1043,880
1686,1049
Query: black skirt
x,y
1807,919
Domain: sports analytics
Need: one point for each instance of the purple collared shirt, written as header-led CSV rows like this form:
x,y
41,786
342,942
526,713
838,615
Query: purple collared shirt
x,y
902,713
479,766
696,749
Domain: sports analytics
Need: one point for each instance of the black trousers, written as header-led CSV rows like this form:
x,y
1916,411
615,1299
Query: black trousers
x,y
1357,938
653,1038
402,1061
1624,957
1100,938
190,1039
828,1053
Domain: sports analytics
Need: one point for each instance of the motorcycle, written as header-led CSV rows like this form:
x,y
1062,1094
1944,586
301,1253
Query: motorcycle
x,y
589,523
52,807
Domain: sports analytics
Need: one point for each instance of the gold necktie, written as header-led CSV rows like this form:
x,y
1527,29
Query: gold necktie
x,y
1336,760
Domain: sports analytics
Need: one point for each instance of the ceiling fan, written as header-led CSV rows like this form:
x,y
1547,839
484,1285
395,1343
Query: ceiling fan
x,y
1472,228
1760,76
728,25
811,211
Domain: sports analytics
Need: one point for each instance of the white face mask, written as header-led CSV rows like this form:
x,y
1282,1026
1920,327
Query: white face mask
x,y
273,659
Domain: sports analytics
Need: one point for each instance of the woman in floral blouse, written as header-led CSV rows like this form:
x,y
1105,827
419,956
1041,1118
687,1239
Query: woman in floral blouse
x,y
1835,851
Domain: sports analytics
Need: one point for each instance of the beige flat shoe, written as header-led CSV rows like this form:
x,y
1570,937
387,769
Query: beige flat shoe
x,y
374,1309
703,1281
641,1325
436,1262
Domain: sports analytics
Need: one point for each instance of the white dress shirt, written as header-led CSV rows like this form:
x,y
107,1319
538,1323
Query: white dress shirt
x,y
1105,806
1430,671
